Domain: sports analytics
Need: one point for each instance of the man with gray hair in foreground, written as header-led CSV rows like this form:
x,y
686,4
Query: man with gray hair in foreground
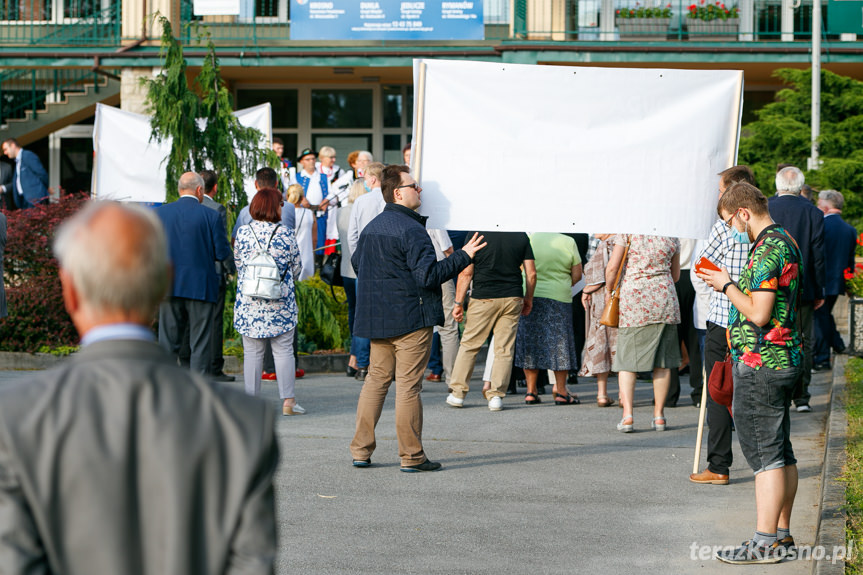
x,y
119,461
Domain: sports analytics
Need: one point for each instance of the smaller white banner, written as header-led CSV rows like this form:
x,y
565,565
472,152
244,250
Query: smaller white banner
x,y
129,167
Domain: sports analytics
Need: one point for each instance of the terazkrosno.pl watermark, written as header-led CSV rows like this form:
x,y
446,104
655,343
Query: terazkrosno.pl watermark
x,y
803,552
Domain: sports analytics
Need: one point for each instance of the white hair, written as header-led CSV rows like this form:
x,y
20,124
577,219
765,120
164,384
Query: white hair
x,y
832,197
790,180
130,273
189,182
367,155
328,151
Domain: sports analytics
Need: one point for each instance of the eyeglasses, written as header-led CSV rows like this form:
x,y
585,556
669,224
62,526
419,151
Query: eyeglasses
x,y
414,185
728,221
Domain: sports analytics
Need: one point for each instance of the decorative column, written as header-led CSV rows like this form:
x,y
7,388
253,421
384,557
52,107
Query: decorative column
x,y
606,21
546,20
138,19
746,33
787,20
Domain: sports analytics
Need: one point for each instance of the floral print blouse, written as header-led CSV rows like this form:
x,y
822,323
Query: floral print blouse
x,y
260,318
647,294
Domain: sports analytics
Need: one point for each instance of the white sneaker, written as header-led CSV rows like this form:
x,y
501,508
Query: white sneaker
x,y
495,404
455,401
804,408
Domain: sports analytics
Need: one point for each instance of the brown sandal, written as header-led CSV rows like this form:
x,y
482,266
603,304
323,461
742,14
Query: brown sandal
x,y
604,401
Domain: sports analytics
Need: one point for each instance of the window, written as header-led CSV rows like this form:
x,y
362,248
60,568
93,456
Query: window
x,y
28,10
341,108
283,102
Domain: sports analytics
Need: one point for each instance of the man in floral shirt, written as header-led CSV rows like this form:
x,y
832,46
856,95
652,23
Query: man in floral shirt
x,y
766,348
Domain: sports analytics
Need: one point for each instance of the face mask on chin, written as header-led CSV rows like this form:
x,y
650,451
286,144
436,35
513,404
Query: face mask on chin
x,y
741,237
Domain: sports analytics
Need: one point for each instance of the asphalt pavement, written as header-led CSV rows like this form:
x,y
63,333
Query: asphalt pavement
x,y
531,489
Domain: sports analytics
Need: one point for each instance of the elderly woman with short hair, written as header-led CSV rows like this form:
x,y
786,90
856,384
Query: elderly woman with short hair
x,y
257,319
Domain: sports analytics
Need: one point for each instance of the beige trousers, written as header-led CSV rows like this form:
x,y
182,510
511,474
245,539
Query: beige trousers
x,y
403,358
449,332
499,317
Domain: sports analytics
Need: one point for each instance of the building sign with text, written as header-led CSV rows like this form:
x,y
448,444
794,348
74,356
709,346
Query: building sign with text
x,y
386,20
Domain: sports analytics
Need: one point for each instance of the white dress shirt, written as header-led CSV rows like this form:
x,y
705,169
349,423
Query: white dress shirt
x,y
366,208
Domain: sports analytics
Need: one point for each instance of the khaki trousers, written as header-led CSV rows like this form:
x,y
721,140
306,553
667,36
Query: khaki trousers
x,y
498,316
449,332
403,358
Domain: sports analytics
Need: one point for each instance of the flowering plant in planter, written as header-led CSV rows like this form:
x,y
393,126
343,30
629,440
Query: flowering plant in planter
x,y
716,11
640,11
854,281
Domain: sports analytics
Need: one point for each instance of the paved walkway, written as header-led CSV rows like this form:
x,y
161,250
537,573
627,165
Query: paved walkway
x,y
542,489
548,489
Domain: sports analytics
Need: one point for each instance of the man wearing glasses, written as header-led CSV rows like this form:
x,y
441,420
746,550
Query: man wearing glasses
x,y
398,304
729,252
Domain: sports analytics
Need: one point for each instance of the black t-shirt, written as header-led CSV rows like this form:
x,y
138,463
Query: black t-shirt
x,y
497,267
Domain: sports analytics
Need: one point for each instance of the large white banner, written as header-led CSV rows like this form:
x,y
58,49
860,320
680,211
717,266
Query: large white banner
x,y
573,149
129,168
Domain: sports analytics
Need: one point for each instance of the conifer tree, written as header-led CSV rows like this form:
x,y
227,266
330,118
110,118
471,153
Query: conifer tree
x,y
220,142
781,135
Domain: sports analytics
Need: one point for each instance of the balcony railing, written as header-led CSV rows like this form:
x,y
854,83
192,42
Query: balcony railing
x,y
582,20
266,23
59,23
23,90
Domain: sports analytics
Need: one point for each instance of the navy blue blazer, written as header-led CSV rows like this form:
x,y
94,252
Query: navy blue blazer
x,y
805,223
34,181
196,241
840,241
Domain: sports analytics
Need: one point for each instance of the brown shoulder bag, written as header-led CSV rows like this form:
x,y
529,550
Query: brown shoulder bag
x,y
611,312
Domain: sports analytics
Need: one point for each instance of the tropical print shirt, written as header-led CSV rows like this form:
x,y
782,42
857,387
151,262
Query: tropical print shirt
x,y
773,265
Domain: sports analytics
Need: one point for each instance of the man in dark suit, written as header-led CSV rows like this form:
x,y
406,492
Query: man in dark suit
x,y
29,180
118,461
196,240
840,242
224,268
805,223
6,185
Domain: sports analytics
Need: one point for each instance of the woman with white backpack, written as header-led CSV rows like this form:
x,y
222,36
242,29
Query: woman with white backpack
x,y
268,261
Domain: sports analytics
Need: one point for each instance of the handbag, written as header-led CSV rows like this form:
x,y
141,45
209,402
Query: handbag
x,y
611,311
331,272
721,382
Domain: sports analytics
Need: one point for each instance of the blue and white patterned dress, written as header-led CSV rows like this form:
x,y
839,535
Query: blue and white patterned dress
x,y
260,318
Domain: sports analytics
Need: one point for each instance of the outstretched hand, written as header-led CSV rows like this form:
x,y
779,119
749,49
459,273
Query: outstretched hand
x,y
474,245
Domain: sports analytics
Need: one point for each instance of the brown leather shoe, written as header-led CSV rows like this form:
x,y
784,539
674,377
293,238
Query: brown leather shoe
x,y
708,477
433,377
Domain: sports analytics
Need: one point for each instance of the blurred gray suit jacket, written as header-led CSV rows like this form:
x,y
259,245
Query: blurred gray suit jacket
x,y
120,462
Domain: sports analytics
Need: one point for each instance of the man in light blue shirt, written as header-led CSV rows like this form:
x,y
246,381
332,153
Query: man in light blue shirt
x,y
265,178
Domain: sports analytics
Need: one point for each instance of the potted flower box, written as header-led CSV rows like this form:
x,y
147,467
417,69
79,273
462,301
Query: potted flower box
x,y
643,23
854,290
855,327
713,22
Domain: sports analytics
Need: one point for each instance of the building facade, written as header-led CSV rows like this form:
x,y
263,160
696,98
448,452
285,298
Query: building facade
x,y
59,58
